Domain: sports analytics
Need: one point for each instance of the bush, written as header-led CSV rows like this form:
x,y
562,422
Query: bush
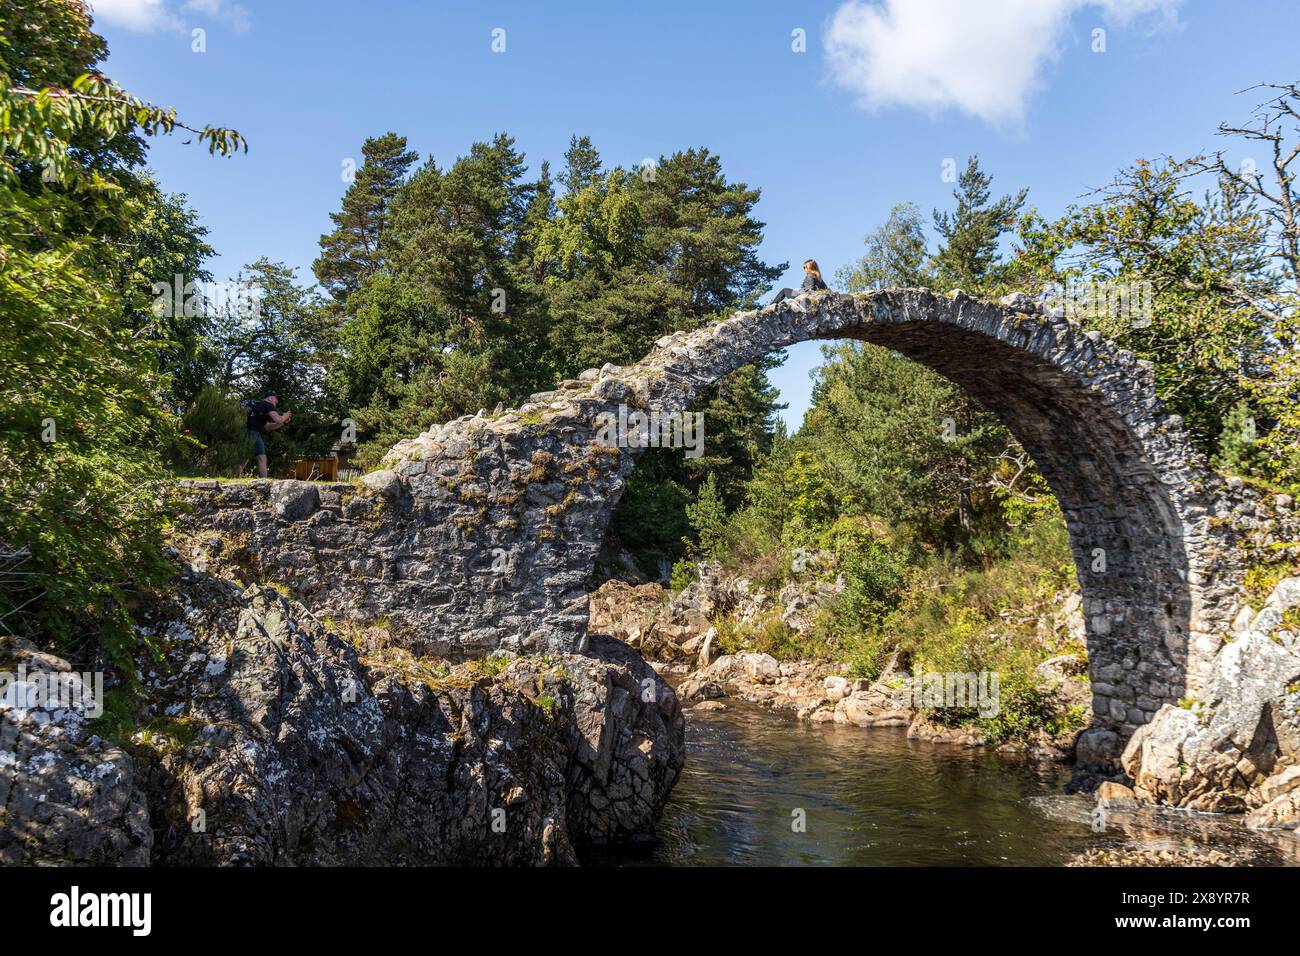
x,y
217,426
765,635
1024,709
1240,452
683,574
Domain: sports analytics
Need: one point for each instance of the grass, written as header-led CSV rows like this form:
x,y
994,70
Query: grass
x,y
124,724
488,666
1264,574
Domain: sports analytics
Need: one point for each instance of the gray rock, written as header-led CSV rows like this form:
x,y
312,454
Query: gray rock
x,y
66,794
385,482
1222,752
1097,748
294,500
1018,301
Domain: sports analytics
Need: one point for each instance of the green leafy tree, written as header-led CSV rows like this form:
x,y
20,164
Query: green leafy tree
x,y
1274,126
164,253
896,256
280,338
641,253
1191,264
82,482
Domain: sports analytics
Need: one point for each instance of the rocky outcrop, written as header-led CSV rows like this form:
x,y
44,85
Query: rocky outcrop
x,y
265,738
648,618
676,627
1237,747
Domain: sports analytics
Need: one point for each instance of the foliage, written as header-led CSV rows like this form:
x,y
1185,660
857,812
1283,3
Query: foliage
x,y
683,574
652,519
450,323
356,247
283,342
767,634
707,515
218,427
896,438
1200,260
83,487
1240,452
969,257
896,255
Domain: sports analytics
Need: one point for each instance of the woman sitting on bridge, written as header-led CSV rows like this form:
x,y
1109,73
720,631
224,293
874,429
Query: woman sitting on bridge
x,y
812,281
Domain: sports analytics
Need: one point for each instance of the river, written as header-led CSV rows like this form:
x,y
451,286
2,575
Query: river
x,y
873,798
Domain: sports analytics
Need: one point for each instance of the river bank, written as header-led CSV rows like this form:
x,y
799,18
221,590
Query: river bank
x,y
676,632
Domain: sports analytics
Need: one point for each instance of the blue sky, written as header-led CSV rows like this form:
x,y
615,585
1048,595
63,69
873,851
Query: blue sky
x,y
885,92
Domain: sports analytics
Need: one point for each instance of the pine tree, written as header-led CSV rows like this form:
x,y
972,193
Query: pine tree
x,y
355,249
968,259
581,165
1240,451
708,515
454,321
540,212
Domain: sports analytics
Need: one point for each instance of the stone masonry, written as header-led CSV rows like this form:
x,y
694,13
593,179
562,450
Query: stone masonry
x,y
479,535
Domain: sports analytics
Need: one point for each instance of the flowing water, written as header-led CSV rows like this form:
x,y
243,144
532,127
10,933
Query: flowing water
x,y
872,797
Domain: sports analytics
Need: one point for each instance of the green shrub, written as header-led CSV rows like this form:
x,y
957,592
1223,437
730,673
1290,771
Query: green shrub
x,y
217,426
1024,709
1240,452
684,572
867,654
768,634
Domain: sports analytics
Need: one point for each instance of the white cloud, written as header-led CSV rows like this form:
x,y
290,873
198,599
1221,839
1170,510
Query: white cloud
x,y
140,15
984,57
145,15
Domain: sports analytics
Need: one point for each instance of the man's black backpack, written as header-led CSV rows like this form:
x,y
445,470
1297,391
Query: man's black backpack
x,y
256,409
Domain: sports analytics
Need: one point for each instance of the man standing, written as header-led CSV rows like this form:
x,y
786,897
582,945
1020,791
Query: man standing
x,y
263,418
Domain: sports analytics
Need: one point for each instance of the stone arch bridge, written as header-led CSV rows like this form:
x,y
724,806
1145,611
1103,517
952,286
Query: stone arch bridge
x,y
481,534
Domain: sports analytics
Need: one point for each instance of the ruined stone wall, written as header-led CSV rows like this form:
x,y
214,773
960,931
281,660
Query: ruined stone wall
x,y
480,534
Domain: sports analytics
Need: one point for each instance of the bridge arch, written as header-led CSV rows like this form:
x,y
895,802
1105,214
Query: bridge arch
x,y
513,507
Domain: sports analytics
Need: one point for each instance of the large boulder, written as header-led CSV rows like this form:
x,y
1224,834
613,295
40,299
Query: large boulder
x,y
294,500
